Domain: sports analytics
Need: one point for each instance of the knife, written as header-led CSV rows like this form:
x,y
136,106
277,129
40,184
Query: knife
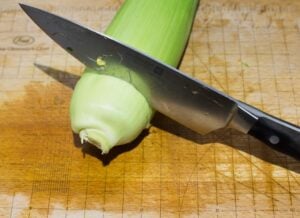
x,y
184,99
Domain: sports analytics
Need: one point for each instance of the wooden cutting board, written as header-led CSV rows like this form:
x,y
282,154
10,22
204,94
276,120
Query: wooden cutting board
x,y
249,49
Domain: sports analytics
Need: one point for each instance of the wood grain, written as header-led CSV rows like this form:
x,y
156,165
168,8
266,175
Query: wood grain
x,y
248,49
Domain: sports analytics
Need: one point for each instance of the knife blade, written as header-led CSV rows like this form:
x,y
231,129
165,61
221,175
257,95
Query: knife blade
x,y
188,101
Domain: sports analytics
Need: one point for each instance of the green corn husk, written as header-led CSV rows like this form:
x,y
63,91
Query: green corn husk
x,y
107,111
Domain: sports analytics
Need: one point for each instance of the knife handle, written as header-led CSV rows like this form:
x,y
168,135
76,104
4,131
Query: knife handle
x,y
278,134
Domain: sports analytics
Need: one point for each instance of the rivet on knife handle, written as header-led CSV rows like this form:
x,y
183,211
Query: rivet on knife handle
x,y
278,134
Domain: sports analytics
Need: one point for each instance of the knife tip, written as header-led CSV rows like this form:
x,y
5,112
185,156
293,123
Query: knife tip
x,y
24,7
27,8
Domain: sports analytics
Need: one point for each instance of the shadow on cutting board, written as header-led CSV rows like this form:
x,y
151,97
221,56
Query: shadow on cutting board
x,y
92,150
65,78
228,137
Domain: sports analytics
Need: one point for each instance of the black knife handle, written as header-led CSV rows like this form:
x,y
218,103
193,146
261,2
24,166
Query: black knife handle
x,y
278,134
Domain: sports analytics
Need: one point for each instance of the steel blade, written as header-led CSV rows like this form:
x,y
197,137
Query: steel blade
x,y
169,91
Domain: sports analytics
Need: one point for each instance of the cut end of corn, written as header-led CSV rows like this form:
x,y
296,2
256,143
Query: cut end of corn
x,y
97,138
